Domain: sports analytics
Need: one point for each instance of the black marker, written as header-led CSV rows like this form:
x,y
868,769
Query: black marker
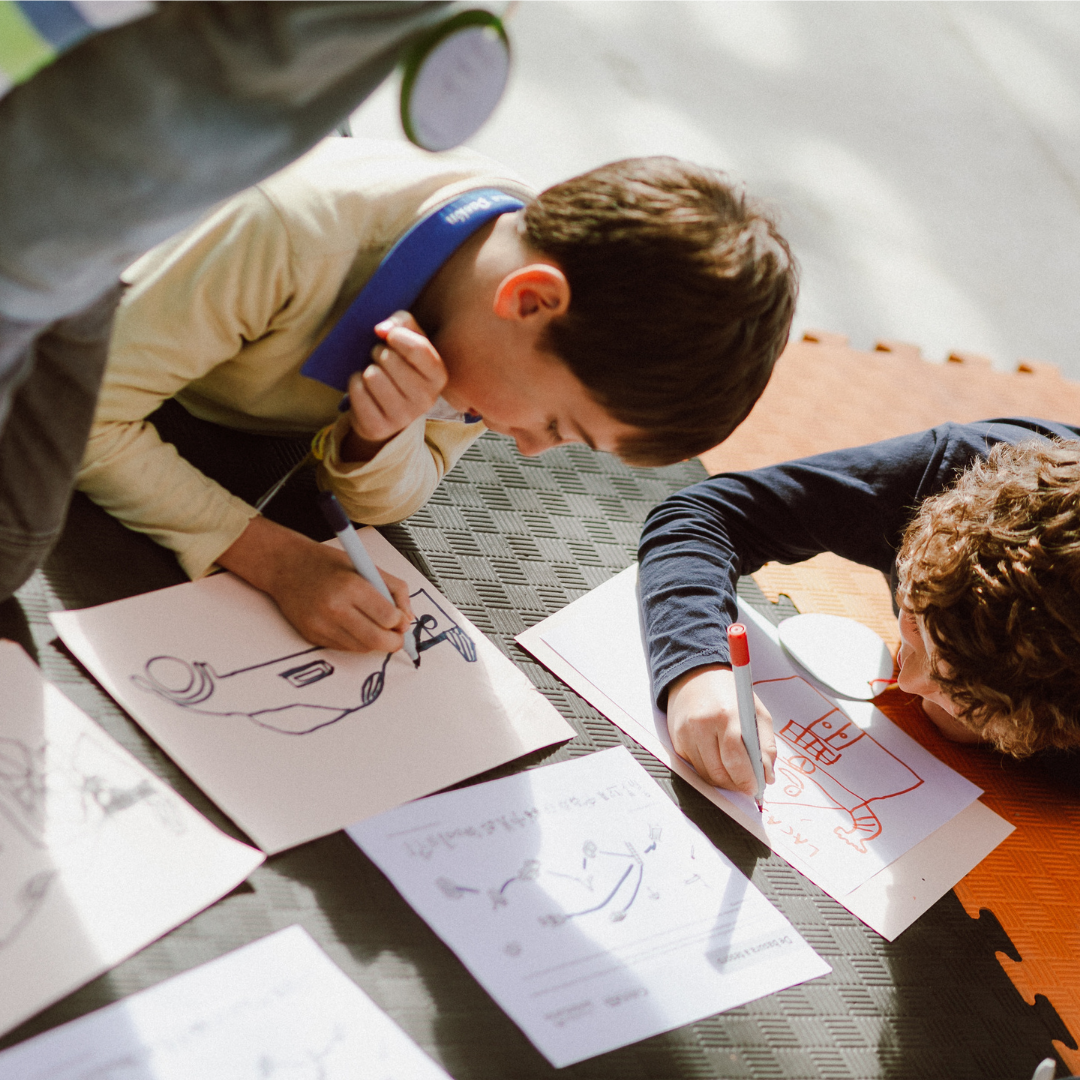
x,y
337,519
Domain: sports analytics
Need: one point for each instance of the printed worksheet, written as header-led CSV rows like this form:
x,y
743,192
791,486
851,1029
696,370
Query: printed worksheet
x,y
293,741
853,794
276,1008
584,901
98,857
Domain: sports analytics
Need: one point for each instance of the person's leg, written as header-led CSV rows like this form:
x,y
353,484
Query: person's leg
x,y
43,440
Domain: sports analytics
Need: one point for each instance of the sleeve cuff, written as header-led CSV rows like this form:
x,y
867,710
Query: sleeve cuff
x,y
662,680
395,483
199,557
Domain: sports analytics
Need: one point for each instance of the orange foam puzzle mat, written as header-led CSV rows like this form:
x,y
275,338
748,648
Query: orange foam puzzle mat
x,y
825,395
1031,882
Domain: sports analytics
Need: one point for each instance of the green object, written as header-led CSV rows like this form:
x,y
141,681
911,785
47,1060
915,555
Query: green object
x,y
453,79
23,51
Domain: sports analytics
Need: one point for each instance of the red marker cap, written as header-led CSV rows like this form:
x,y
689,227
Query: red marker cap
x,y
737,643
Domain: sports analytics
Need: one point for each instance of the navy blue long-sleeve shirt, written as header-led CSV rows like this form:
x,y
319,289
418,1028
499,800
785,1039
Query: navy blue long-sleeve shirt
x,y
856,503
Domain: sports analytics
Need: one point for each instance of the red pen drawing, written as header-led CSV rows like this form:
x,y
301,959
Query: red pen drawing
x,y
833,764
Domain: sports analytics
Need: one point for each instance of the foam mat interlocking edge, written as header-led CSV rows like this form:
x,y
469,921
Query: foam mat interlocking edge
x,y
512,540
1029,884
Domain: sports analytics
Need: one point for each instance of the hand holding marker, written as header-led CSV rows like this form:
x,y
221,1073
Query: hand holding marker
x,y
354,547
744,690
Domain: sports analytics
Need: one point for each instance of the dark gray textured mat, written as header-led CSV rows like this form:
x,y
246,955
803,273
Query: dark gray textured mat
x,y
511,540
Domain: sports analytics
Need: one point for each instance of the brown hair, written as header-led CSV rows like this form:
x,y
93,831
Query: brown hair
x,y
993,567
681,298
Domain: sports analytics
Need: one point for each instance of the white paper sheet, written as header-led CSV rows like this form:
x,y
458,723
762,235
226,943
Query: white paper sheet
x,y
276,1008
589,907
98,857
293,741
862,842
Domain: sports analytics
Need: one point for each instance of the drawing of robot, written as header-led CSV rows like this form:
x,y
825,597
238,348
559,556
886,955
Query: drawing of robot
x,y
50,808
832,763
298,693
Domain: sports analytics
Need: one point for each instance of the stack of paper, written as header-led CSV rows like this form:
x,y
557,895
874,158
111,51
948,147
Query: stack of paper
x,y
276,1008
858,807
584,901
98,857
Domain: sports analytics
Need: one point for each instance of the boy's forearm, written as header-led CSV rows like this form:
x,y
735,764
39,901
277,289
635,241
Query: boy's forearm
x,y
263,553
696,544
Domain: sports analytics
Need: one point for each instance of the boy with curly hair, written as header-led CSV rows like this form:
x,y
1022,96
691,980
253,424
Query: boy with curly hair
x,y
977,527
638,308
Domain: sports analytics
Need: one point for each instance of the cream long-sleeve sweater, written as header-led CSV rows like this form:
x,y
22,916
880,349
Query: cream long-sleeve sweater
x,y
223,316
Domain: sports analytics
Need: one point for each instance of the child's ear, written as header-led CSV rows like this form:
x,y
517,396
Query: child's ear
x,y
538,289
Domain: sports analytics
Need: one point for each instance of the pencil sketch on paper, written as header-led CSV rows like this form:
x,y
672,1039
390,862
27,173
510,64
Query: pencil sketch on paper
x,y
608,881
830,762
53,804
298,693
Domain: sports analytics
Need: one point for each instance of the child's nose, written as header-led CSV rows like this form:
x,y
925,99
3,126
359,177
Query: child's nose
x,y
530,445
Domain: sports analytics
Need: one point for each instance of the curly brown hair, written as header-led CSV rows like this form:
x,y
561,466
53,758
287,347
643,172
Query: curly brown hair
x,y
992,565
681,298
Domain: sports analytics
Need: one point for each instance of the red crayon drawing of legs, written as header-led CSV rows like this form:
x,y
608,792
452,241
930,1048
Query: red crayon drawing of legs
x,y
826,761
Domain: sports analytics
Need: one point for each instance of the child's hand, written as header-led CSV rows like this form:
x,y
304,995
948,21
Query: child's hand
x,y
402,384
703,722
318,590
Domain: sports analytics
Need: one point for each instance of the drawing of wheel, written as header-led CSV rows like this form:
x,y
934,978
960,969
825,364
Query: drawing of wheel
x,y
176,680
462,642
373,686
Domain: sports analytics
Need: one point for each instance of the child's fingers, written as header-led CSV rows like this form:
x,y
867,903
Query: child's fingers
x,y
366,415
767,739
348,613
379,407
363,620
400,592
399,318
422,373
706,758
387,395
737,764
405,338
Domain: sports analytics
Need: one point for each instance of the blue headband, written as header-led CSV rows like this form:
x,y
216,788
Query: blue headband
x,y
400,278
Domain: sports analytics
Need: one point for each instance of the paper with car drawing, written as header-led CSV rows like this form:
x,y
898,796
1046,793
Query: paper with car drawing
x,y
294,741
98,857
854,797
587,904
278,1007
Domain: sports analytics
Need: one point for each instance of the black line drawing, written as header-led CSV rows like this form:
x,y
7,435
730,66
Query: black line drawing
x,y
20,903
598,872
52,808
529,871
298,693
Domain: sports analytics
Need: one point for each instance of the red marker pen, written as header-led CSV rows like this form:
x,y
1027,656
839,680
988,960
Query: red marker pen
x,y
744,690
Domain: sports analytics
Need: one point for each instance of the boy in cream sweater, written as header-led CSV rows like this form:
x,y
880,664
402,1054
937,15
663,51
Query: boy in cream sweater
x,y
638,309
